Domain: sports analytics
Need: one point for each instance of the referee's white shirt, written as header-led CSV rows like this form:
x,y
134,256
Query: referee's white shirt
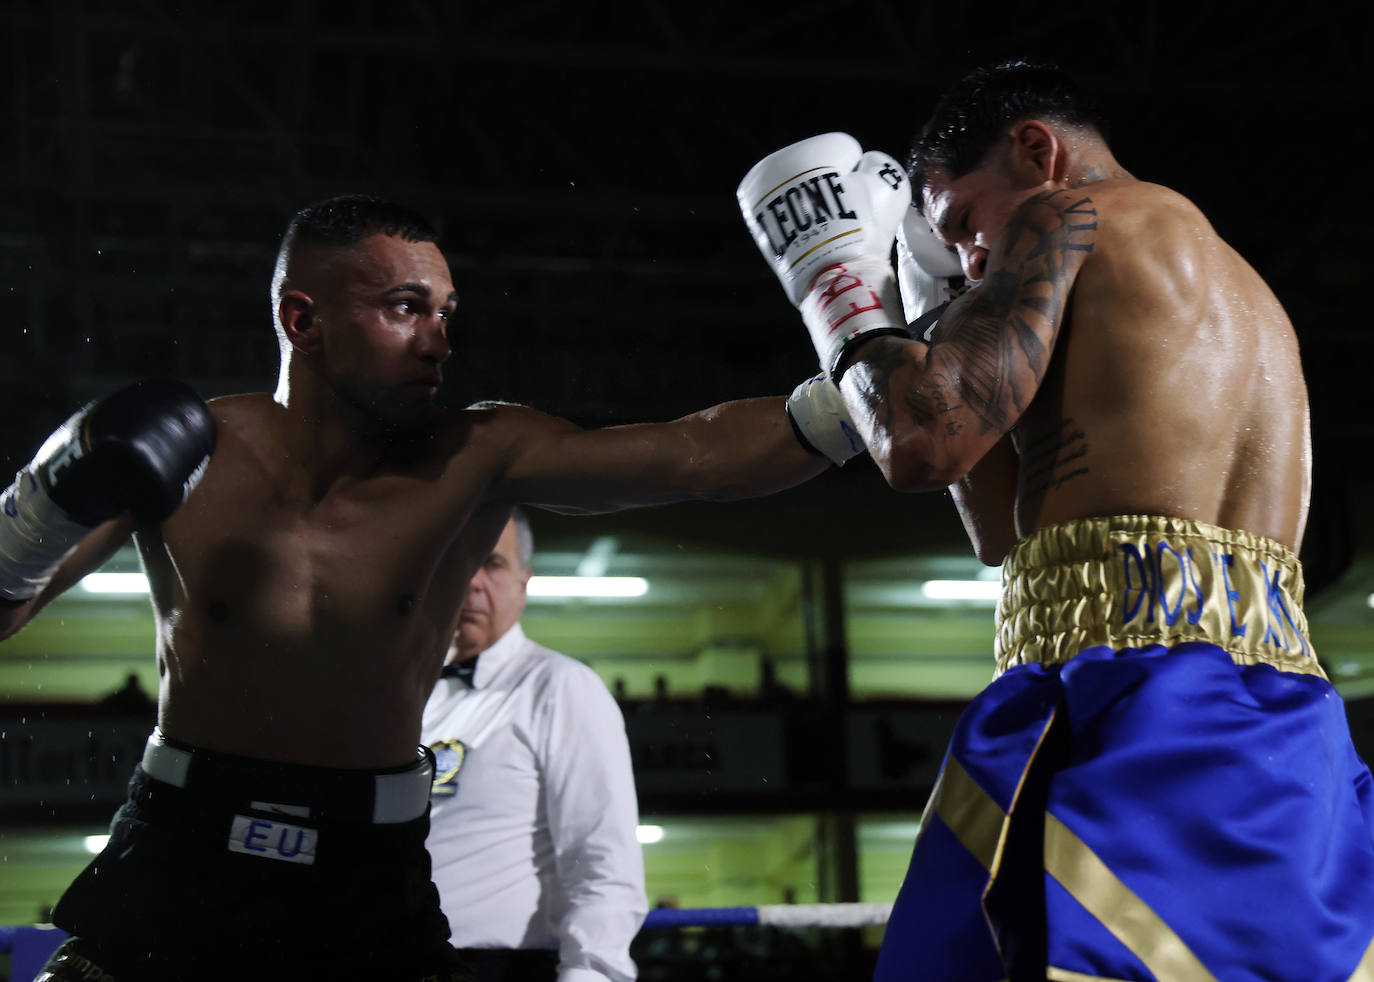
x,y
533,835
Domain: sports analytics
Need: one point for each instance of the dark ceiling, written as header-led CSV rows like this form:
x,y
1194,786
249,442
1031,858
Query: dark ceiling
x,y
582,159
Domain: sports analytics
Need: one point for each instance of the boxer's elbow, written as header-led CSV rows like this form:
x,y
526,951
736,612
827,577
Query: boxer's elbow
x,y
912,461
913,475
990,550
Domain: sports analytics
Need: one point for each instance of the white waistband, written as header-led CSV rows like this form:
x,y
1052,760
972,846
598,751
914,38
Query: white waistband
x,y
399,796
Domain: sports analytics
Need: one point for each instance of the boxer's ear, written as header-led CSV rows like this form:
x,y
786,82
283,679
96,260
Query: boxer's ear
x,y
296,314
1037,155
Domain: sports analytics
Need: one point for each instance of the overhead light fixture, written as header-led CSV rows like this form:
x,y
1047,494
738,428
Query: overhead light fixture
x,y
1370,600
587,586
598,557
648,834
132,584
981,591
95,843
125,584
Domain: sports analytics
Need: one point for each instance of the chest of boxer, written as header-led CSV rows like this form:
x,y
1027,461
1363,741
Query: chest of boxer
x,y
321,619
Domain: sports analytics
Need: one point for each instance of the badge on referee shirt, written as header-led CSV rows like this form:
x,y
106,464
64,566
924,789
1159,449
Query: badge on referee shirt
x,y
448,761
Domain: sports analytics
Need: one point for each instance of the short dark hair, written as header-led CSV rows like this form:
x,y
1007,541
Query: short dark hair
x,y
347,219
971,116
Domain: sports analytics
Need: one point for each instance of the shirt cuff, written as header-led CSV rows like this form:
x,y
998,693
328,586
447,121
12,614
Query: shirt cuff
x,y
581,975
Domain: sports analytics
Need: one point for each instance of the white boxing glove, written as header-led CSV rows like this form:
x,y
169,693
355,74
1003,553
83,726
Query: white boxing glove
x,y
822,421
824,214
928,273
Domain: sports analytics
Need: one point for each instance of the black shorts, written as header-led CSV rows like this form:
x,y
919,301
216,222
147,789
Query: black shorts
x,y
257,869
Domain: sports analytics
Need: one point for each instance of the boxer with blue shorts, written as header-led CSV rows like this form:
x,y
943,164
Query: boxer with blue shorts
x,y
1159,783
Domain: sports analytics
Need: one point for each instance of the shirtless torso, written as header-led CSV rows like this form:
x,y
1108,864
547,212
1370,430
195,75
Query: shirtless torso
x,y
1176,388
320,616
1115,357
310,625
1153,677
306,592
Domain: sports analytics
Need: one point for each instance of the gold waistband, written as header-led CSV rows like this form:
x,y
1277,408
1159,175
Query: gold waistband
x,y
1132,580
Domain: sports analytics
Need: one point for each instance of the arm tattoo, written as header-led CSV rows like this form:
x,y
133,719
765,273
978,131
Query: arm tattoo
x,y
926,401
992,346
995,343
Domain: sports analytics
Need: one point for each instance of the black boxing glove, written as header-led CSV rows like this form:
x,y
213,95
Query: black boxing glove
x,y
140,450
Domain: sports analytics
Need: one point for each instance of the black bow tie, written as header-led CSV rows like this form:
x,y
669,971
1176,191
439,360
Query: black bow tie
x,y
464,670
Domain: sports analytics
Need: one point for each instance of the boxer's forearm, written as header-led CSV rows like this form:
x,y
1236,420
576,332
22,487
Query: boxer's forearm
x,y
735,450
89,555
929,413
744,449
911,416
14,614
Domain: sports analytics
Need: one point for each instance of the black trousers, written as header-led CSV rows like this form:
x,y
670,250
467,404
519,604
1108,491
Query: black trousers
x,y
167,899
510,964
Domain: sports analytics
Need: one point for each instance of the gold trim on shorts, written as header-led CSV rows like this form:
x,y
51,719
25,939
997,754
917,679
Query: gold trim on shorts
x,y
1365,971
1127,581
1118,908
980,824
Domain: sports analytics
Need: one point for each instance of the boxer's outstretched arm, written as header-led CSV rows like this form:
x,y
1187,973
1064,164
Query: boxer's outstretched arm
x,y
928,413
88,556
131,457
735,450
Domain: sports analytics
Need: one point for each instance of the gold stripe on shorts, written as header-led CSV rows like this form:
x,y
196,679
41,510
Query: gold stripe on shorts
x,y
970,813
1364,972
1092,883
1064,975
979,823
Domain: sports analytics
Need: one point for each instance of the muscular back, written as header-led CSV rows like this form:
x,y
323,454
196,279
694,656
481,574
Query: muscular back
x,y
1175,387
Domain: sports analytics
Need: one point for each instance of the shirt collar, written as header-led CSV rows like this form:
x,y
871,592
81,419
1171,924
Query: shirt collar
x,y
493,659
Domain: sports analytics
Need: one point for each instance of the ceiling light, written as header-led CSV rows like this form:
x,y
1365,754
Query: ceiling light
x,y
95,843
598,557
130,584
126,584
983,591
587,586
648,834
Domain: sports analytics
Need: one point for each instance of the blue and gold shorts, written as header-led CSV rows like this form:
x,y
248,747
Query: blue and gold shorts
x,y
1159,783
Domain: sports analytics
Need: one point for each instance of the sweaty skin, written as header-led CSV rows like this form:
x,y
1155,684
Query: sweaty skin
x,y
1115,357
307,591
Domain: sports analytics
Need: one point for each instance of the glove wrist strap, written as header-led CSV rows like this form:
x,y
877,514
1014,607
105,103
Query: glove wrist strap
x,y
821,421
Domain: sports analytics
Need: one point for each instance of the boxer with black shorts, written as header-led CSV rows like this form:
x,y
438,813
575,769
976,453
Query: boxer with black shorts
x,y
1159,783
305,593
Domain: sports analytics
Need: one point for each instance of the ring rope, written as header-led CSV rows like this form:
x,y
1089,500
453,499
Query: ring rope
x,y
771,915
767,915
